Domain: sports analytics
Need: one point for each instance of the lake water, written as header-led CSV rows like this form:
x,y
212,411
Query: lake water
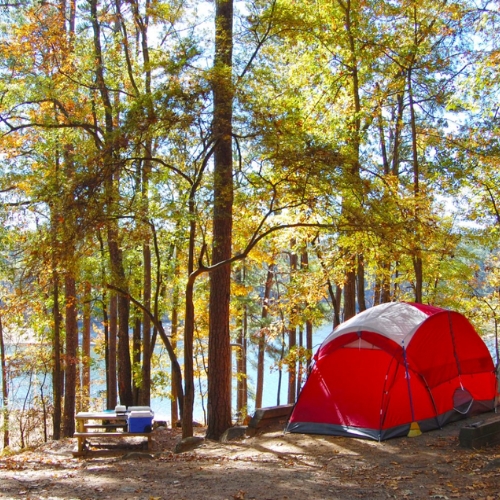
x,y
161,404
270,397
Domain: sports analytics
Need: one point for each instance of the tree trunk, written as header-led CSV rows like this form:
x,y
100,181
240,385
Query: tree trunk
x,y
304,264
123,309
292,333
398,128
5,390
361,283
351,27
123,351
350,295
142,23
57,377
241,368
145,395
174,333
299,361
86,354
262,338
70,357
111,165
113,330
187,415
219,349
309,343
174,408
417,257
136,354
292,364
337,309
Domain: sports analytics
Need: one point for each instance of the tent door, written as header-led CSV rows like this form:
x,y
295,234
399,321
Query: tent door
x,y
462,401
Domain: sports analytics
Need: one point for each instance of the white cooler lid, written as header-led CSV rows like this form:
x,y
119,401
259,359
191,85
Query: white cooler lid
x,y
139,414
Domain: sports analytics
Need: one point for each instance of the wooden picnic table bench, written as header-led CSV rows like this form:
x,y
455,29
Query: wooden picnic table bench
x,y
104,424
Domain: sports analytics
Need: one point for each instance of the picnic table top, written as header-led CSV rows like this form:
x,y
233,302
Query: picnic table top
x,y
100,415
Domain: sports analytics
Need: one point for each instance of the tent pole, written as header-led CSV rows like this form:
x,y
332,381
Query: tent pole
x,y
457,360
414,427
384,400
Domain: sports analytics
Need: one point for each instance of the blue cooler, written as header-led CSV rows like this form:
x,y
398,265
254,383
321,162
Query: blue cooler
x,y
140,421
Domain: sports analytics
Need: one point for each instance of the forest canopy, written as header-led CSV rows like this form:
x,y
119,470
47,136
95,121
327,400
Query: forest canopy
x,y
222,178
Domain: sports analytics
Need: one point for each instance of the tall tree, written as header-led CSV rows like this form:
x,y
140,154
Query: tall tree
x,y
219,348
70,358
5,389
111,161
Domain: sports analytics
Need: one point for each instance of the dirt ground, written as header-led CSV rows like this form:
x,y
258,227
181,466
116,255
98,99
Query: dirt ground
x,y
268,466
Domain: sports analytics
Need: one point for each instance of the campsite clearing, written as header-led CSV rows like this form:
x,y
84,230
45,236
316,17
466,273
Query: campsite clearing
x,y
267,466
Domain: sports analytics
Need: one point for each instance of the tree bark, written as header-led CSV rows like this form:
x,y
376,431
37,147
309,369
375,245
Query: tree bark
x,y
174,407
241,368
350,295
70,356
292,364
5,390
304,264
361,283
292,332
113,330
417,257
110,162
241,358
86,354
136,353
352,63
309,343
145,394
57,378
262,338
219,349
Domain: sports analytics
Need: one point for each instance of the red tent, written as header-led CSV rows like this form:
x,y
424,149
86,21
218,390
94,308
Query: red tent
x,y
392,367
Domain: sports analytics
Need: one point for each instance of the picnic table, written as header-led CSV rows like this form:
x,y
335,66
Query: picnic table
x,y
103,424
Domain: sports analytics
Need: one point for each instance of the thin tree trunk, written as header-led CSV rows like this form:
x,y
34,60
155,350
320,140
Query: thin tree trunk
x,y
5,390
335,295
241,359
187,415
110,161
417,257
174,407
381,130
338,299
292,364
309,343
350,295
57,375
113,330
136,354
142,23
361,283
304,264
174,332
299,362
145,393
86,354
262,338
397,135
71,360
292,333
351,25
